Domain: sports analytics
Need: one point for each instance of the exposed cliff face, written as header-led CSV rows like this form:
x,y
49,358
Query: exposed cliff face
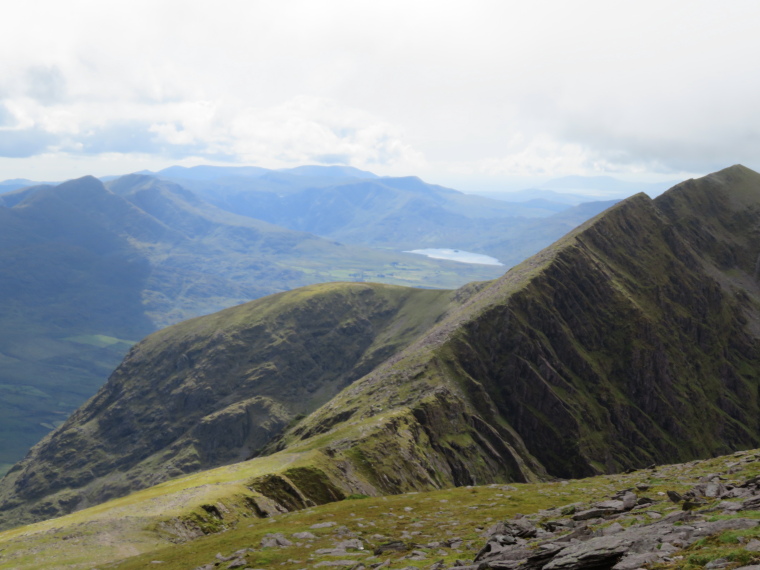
x,y
630,341
625,350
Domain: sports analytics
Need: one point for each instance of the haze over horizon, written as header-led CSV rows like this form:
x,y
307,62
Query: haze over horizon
x,y
478,96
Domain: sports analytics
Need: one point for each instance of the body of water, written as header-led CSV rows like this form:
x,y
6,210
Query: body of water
x,y
457,255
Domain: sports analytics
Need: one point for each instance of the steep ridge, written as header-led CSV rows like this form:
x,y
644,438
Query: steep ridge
x,y
630,341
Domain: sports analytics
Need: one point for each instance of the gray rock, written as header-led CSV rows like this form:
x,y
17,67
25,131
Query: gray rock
x,y
539,558
708,528
331,552
304,535
238,563
666,549
675,497
614,528
393,546
728,506
629,501
495,551
582,532
594,513
633,561
599,552
417,555
503,565
715,490
613,504
273,540
559,524
753,545
353,543
752,504
323,525
521,528
243,552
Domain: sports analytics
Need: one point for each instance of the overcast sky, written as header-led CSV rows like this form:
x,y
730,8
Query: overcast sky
x,y
468,94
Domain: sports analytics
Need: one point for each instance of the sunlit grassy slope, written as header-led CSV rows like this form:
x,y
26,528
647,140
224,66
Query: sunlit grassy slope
x,y
185,522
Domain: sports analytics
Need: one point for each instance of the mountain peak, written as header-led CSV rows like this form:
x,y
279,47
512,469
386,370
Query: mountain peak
x,y
71,192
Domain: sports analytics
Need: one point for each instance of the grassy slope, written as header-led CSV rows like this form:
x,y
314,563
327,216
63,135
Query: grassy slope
x,y
158,523
214,389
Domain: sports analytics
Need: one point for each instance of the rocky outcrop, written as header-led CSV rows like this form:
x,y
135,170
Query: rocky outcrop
x,y
587,542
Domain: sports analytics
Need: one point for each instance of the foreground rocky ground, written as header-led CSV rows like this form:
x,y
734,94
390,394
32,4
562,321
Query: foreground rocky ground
x,y
703,514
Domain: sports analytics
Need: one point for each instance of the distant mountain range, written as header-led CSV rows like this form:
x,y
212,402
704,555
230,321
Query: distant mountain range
x,y
87,269
360,208
575,190
632,340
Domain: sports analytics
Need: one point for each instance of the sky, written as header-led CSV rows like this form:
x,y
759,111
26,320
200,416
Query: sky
x,y
475,95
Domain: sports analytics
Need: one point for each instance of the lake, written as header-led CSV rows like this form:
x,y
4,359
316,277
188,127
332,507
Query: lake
x,y
457,255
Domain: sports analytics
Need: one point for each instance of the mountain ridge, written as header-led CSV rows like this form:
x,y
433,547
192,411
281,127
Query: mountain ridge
x,y
627,342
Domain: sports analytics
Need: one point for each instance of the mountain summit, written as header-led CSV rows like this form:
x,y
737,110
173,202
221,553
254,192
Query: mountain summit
x,y
630,341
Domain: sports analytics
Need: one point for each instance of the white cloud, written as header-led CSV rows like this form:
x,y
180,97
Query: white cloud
x,y
488,87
